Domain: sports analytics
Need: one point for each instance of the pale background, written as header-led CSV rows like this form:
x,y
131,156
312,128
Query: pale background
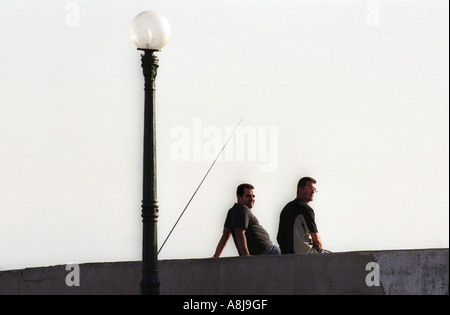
x,y
357,90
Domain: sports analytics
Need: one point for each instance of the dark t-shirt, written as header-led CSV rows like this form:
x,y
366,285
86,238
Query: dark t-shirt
x,y
240,216
288,216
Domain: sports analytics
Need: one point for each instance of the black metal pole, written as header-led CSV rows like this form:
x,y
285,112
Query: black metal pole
x,y
150,279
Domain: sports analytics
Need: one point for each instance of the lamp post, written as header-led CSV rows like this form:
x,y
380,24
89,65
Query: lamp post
x,y
149,31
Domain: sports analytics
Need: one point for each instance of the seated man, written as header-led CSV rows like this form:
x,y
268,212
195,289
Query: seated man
x,y
297,231
249,236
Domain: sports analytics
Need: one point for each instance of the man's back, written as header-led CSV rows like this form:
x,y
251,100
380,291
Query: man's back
x,y
297,220
240,216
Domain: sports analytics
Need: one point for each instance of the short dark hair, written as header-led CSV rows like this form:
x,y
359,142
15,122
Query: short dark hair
x,y
303,180
240,190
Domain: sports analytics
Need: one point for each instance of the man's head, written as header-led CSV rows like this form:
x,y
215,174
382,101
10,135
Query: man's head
x,y
306,189
246,195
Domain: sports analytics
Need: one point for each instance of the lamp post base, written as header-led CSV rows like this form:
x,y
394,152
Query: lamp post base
x,y
150,283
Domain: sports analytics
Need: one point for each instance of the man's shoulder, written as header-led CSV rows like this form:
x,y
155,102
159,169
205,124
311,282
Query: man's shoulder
x,y
295,205
239,208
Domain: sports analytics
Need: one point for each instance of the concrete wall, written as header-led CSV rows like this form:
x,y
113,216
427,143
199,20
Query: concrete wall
x,y
400,272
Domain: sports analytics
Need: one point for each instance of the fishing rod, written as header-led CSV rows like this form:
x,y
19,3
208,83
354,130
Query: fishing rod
x,y
198,187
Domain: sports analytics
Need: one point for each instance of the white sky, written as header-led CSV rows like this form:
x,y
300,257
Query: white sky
x,y
357,92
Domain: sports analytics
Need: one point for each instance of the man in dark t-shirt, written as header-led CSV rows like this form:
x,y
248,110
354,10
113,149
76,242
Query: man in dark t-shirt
x,y
249,236
240,217
297,231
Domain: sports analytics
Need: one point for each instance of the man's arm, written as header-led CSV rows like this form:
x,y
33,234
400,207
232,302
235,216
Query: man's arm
x,y
222,242
317,240
241,241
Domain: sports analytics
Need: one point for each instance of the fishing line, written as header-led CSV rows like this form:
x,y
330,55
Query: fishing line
x,y
204,177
